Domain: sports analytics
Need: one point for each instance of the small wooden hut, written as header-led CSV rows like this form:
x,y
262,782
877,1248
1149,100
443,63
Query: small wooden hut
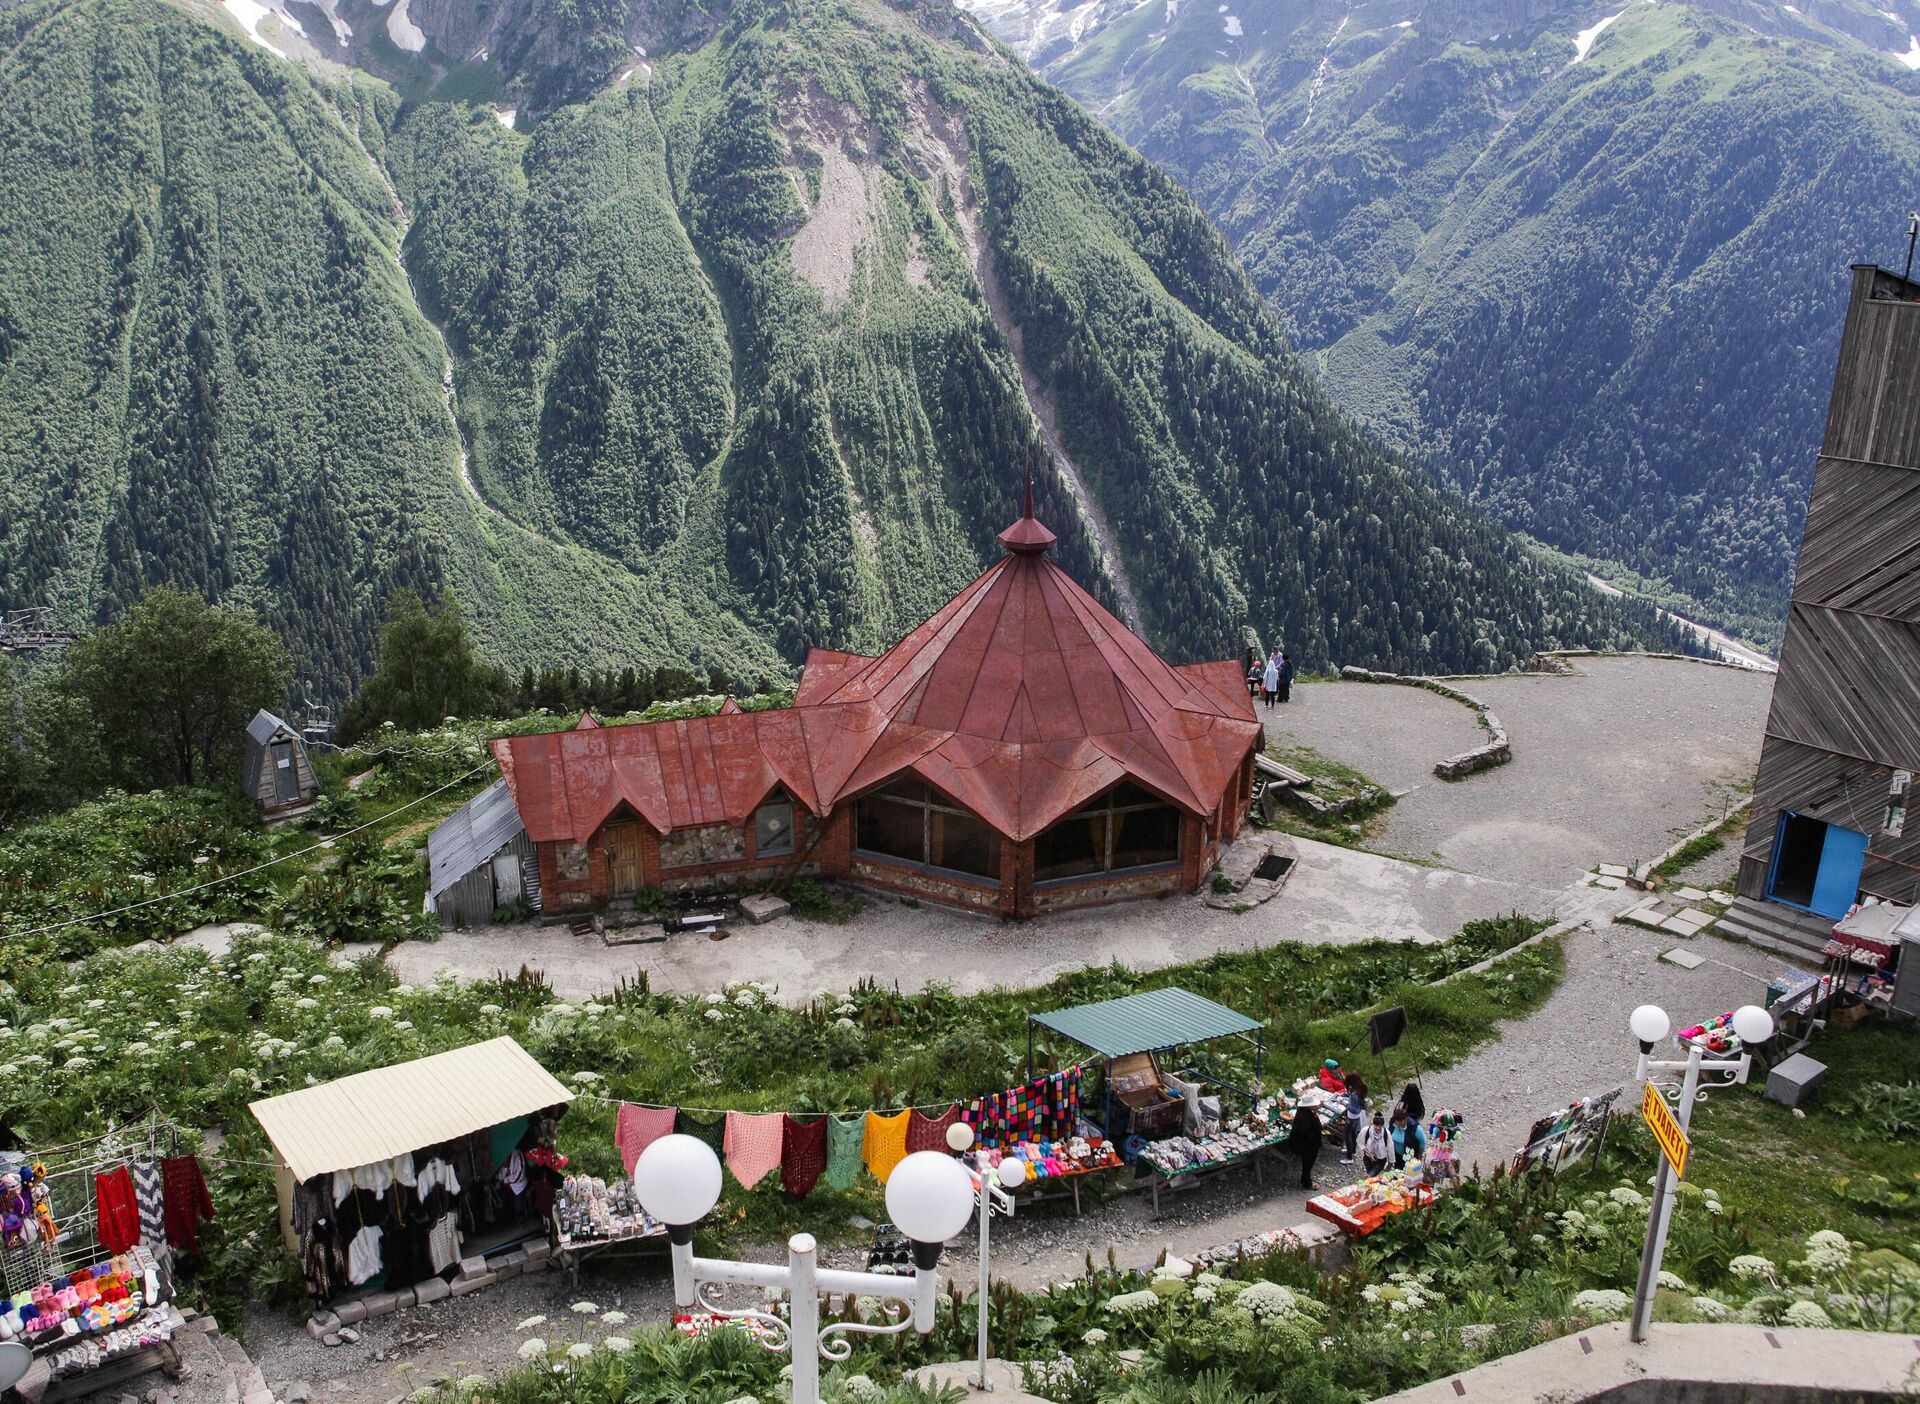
x,y
277,772
480,861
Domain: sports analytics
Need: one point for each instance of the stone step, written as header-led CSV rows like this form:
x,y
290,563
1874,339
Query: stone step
x,y
1775,928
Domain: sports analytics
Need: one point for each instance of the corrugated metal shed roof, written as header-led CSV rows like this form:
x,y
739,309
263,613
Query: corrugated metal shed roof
x,y
1021,699
390,1111
260,732
1146,1022
471,835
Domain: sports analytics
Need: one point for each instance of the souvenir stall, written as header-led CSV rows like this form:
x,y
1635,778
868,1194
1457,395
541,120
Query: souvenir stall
x,y
405,1181
1165,1110
1562,1137
87,1234
1361,1208
596,1218
1040,1124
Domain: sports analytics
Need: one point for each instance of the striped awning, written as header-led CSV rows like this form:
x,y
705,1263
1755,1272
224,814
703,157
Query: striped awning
x,y
384,1112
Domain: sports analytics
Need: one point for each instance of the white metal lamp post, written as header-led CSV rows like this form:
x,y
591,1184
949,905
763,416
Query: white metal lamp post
x,y
1753,1026
994,1198
929,1197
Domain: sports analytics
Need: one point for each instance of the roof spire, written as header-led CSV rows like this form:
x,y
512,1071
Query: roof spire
x,y
1027,537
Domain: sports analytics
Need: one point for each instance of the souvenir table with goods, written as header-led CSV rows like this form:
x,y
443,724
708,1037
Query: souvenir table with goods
x,y
1080,1154
86,1318
589,1210
1361,1208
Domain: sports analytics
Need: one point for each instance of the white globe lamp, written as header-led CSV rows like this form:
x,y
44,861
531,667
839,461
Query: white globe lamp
x,y
929,1199
677,1180
1013,1173
1649,1024
959,1138
1753,1025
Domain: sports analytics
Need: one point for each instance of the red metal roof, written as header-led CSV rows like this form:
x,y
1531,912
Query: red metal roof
x,y
1022,698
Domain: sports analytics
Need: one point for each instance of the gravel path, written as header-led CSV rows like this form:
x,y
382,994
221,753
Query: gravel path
x,y
1610,765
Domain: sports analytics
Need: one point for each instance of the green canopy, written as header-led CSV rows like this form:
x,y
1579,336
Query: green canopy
x,y
1146,1022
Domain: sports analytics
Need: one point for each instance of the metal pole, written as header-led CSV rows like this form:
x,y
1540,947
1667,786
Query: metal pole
x,y
979,1380
803,1318
1660,1215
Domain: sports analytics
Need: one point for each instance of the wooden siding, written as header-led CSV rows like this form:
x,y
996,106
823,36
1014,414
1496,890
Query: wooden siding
x,y
1846,703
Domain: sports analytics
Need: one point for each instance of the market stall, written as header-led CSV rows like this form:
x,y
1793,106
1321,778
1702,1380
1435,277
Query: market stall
x,y
1360,1208
596,1218
404,1174
1166,1111
87,1236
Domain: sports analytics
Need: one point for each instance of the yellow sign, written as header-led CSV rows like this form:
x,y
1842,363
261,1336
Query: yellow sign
x,y
1659,1118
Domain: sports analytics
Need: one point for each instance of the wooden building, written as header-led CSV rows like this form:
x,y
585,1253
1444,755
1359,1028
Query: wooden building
x,y
1843,736
276,771
481,863
1021,751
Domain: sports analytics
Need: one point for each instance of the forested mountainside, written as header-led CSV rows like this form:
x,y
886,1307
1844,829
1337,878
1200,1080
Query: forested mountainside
x,y
1587,262
753,342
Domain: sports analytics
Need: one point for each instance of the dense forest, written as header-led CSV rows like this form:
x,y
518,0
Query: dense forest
x,y
1588,264
751,348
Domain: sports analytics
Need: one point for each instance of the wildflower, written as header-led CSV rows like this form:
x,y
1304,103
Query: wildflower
x,y
78,1061
490,1009
585,1309
403,1025
335,1041
862,1390
1129,1302
1806,1314
305,1003
1094,1337
185,1044
530,1323
716,1014
470,1382
1627,1197
586,1077
844,1023
1269,1301
380,1011
579,1350
619,1345
845,1009
744,999
1707,1309
1752,1267
532,1347
1601,1303
614,1318
716,999
1670,1281
316,979
1203,1294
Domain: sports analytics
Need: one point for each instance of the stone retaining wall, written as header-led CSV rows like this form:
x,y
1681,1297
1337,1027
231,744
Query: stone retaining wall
x,y
1497,751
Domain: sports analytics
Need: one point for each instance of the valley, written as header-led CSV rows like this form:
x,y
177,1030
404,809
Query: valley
x,y
1575,259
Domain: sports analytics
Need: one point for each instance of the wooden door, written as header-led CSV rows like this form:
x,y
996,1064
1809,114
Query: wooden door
x,y
623,858
286,777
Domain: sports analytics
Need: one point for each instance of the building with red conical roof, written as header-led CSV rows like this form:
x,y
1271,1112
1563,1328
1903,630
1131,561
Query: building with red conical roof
x,y
1021,751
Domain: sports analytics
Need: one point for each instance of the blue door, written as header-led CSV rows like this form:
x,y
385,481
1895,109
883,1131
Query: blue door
x,y
1841,859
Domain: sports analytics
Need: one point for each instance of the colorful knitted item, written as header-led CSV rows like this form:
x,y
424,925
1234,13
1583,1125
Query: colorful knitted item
x,y
885,1144
846,1137
711,1129
753,1145
803,1155
635,1128
119,1213
930,1132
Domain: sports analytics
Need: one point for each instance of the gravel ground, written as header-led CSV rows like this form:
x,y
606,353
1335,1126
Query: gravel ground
x,y
1335,897
1609,766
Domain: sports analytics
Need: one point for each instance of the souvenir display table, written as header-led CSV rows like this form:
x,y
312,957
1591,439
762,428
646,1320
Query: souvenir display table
x,y
94,1326
592,1217
1179,1161
1361,1208
1056,1168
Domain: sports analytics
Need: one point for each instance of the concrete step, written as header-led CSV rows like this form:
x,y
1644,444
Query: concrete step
x,y
1776,928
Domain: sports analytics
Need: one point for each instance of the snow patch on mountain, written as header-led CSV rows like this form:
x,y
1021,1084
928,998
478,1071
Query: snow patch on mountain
x,y
1583,41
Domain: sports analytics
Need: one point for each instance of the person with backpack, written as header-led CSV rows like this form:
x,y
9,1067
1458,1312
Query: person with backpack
x,y
1376,1145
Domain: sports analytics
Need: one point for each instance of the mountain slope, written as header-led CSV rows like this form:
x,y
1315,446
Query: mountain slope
x,y
1587,263
752,349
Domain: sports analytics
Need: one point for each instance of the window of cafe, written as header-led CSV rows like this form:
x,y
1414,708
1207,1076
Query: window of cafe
x,y
1126,828
911,820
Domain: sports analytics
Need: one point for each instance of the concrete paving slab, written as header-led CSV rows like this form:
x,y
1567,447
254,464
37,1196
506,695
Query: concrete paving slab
x,y
1686,960
1690,894
1609,880
1614,870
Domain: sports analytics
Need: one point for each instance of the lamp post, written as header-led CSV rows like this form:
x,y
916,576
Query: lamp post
x,y
994,1199
929,1197
1753,1026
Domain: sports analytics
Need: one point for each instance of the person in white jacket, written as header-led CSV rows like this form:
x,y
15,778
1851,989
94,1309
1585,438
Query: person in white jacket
x,y
1376,1145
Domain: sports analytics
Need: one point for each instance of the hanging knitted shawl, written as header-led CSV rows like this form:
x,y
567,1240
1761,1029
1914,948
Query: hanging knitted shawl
x,y
803,1155
846,1135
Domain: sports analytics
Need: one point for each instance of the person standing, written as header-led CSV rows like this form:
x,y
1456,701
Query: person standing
x,y
1376,1145
1356,1110
1409,1142
1253,671
1286,676
1270,683
1303,1140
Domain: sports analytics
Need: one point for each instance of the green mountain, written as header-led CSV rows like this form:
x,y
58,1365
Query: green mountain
x,y
745,340
1585,262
